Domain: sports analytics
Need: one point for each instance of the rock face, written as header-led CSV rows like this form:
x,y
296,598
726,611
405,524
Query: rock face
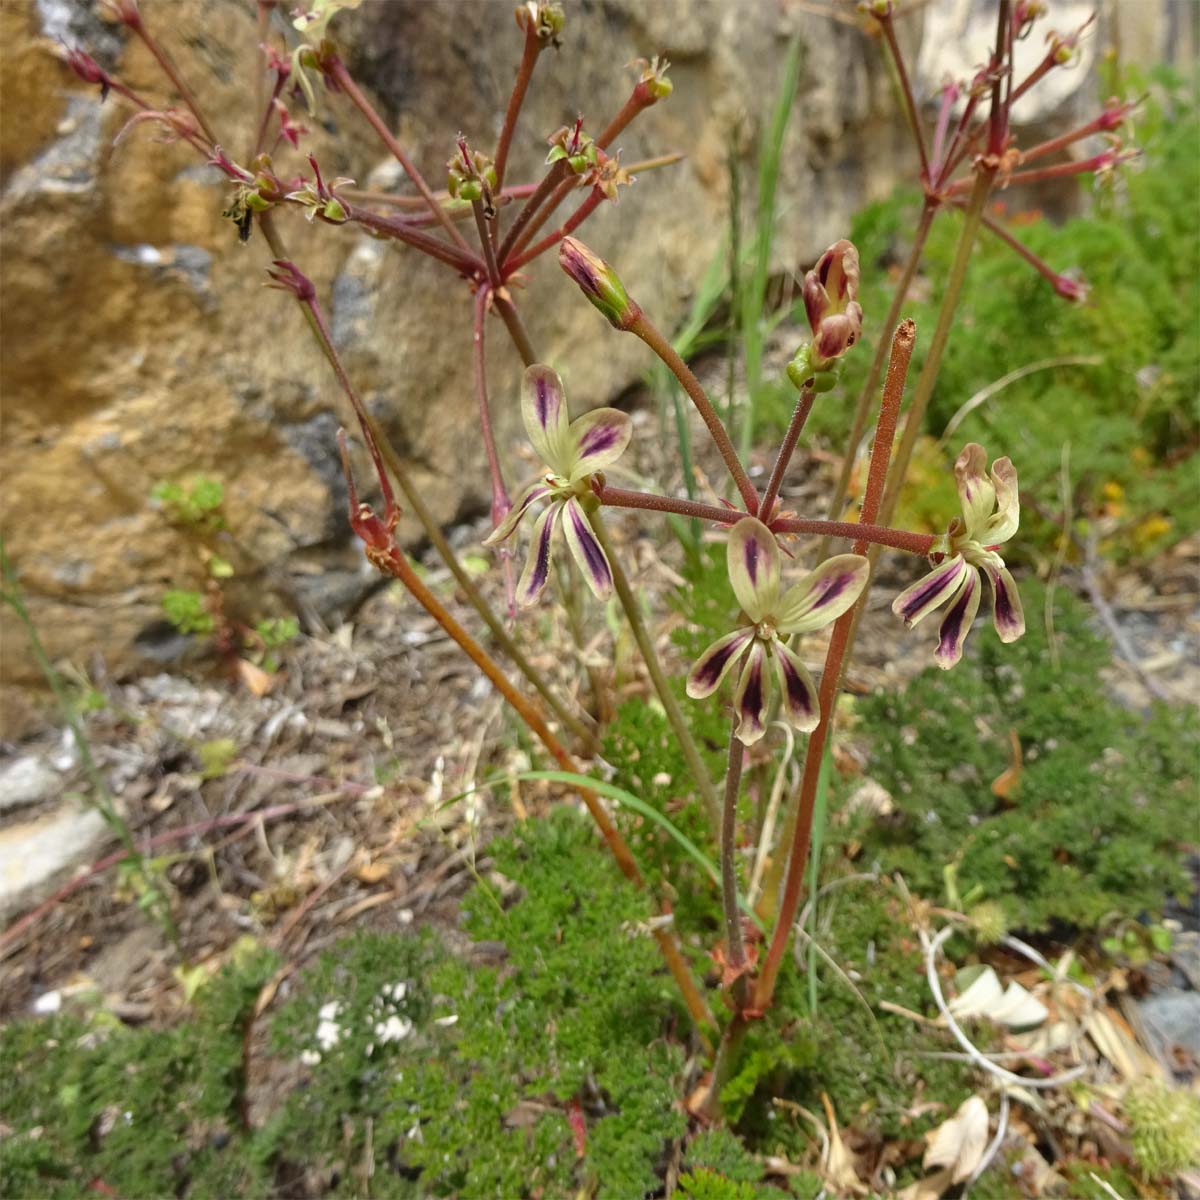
x,y
141,347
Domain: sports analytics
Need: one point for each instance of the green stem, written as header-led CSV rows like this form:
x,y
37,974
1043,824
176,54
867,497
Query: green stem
x,y
937,346
735,947
644,328
675,717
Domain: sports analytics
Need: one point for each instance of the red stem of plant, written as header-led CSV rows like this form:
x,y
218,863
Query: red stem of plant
x,y
880,535
174,76
910,106
735,948
501,503
485,241
644,328
577,218
790,438
1042,267
399,566
342,77
529,57
403,231
885,432
549,181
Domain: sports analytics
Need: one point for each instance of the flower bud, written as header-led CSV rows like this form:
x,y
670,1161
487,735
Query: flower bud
x,y
830,300
1071,288
599,283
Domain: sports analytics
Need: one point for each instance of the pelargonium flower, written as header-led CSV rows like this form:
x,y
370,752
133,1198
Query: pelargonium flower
x,y
573,452
965,553
831,303
819,598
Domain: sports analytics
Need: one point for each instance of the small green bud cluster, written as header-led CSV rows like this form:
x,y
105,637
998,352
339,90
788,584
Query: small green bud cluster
x,y
471,174
570,143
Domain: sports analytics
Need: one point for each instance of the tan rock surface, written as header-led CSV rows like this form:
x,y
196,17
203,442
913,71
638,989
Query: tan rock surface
x,y
139,345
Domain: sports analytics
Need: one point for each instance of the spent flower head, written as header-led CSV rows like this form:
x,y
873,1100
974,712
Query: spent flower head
x,y
965,553
573,452
818,599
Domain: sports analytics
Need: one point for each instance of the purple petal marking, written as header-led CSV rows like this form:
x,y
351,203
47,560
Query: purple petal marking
x,y
919,595
600,438
705,677
801,703
587,550
537,570
956,624
830,589
542,395
750,557
1007,613
750,700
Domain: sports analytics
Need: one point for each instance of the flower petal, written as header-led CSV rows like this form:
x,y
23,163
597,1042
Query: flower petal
x,y
1007,614
713,665
957,622
535,491
823,595
753,559
537,566
801,704
919,600
1003,524
750,699
588,552
598,439
976,492
544,410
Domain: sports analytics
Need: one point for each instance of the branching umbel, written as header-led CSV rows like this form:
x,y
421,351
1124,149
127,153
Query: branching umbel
x,y
484,231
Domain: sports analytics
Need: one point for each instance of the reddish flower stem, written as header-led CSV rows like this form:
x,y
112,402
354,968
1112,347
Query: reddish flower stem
x,y
404,231
501,504
910,106
169,69
577,218
795,427
549,181
316,322
644,328
399,566
485,240
1058,171
893,392
341,76
529,57
1042,267
880,535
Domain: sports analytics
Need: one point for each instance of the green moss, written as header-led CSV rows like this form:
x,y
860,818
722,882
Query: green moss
x,y
147,1112
1103,796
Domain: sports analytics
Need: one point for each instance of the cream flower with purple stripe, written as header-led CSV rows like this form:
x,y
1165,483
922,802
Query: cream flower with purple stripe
x,y
573,451
760,647
965,553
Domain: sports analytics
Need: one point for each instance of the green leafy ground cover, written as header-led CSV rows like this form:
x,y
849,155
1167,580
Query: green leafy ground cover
x,y
441,1074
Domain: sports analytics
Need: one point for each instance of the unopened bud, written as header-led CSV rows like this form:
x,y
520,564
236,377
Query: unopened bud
x,y
599,283
876,8
831,302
